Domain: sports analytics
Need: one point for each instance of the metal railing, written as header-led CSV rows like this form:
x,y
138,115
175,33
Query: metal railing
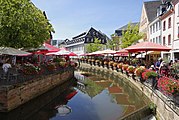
x,y
13,76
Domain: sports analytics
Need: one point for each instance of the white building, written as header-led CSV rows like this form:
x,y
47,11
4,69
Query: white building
x,y
167,20
79,42
176,29
155,31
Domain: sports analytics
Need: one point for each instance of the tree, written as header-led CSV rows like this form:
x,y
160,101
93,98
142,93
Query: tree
x,y
92,47
114,42
130,36
22,24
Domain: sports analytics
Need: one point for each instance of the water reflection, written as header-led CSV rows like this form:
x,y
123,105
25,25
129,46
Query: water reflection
x,y
98,95
121,92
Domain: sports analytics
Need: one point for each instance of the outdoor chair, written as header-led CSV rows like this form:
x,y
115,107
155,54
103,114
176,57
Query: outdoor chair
x,y
13,75
3,75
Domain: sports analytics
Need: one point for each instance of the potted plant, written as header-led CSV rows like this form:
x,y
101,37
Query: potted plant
x,y
148,74
97,62
125,66
138,71
114,66
105,64
131,69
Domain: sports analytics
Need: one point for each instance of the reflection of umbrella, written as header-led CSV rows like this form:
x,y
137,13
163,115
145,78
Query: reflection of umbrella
x,y
147,46
122,99
115,90
63,110
13,51
72,94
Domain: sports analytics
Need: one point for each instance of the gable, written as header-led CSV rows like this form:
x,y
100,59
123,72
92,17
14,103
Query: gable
x,y
143,20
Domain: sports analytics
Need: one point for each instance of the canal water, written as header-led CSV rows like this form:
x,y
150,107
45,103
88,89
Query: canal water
x,y
95,95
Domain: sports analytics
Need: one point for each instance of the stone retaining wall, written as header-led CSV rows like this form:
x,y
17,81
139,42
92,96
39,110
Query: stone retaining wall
x,y
164,110
13,96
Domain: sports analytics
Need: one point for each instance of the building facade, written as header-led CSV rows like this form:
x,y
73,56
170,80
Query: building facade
x,y
79,42
167,20
155,31
176,29
149,10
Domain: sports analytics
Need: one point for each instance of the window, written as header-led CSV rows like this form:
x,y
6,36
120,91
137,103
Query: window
x,y
164,41
156,40
169,39
164,26
150,29
178,31
156,26
159,40
153,40
153,28
159,25
169,22
178,9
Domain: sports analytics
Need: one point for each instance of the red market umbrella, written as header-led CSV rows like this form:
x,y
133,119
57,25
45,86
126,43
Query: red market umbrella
x,y
122,52
46,48
72,54
147,46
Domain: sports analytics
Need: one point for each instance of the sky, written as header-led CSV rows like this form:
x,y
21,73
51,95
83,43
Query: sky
x,y
72,17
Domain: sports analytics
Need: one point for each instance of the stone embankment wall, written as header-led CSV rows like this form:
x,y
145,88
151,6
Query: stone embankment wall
x,y
166,110
13,96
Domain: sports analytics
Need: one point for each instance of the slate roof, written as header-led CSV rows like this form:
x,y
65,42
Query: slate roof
x,y
151,9
125,26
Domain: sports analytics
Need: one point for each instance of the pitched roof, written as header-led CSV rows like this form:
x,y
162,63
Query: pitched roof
x,y
125,26
151,9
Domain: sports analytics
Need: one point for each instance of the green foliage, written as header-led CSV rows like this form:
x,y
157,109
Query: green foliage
x,y
130,36
114,42
22,24
92,47
153,107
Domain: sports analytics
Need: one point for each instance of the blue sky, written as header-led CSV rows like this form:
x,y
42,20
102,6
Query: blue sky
x,y
72,17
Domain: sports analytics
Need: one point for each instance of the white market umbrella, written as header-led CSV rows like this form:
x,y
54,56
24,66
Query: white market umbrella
x,y
13,51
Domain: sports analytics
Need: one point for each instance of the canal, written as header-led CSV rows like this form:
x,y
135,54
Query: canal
x,y
93,95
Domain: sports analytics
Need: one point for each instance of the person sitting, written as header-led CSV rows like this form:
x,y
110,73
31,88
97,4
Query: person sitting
x,y
164,70
6,66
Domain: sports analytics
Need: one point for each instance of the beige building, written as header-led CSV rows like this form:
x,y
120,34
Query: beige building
x,y
149,12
